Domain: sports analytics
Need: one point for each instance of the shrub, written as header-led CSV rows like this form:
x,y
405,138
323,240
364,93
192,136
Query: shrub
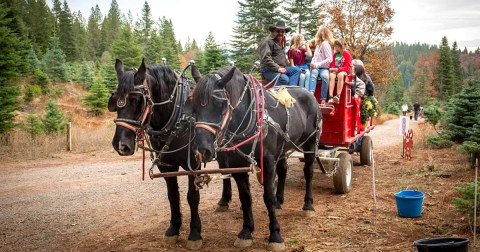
x,y
54,120
465,203
439,142
31,92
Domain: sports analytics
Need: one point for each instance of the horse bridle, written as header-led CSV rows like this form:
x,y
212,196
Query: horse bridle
x,y
219,129
136,125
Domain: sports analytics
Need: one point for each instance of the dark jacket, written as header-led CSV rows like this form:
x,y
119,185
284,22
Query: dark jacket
x,y
272,54
369,86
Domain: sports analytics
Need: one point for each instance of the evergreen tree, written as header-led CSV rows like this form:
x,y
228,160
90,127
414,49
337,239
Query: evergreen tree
x,y
419,89
303,15
80,36
127,48
244,49
93,33
14,49
445,78
54,61
87,75
153,52
40,22
54,120
65,33
461,111
215,57
109,76
98,99
169,43
146,21
457,68
33,62
33,126
111,27
394,97
57,11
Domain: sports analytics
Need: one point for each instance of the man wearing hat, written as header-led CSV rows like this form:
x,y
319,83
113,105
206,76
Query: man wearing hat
x,y
273,59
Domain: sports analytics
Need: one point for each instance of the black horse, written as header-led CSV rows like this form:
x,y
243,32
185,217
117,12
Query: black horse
x,y
224,104
155,99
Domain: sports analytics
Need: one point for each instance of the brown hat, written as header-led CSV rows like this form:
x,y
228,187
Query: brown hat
x,y
279,25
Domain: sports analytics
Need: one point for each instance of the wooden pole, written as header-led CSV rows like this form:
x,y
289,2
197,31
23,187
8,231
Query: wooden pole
x,y
69,136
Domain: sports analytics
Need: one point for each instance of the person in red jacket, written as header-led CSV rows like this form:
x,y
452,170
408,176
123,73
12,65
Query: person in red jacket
x,y
340,67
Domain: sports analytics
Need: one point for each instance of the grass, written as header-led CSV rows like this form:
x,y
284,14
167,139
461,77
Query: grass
x,y
383,118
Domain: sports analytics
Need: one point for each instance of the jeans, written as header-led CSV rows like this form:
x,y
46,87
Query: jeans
x,y
305,80
416,114
289,78
325,76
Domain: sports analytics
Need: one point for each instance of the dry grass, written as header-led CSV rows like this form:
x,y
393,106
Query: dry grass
x,y
383,118
89,134
420,134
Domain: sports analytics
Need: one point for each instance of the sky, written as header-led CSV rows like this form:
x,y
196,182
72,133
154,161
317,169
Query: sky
x,y
424,21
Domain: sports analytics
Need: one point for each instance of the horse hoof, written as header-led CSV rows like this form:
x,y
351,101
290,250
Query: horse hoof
x,y
308,213
194,245
221,208
170,240
242,243
276,246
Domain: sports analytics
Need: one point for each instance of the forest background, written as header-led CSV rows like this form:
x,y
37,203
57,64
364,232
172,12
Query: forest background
x,y
43,47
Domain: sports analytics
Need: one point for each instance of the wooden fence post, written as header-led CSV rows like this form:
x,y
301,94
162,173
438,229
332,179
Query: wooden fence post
x,y
69,136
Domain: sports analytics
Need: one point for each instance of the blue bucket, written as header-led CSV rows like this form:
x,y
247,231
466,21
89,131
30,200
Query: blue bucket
x,y
409,203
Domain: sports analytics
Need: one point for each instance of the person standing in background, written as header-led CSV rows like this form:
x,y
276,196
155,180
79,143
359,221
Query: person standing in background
x,y
416,110
404,109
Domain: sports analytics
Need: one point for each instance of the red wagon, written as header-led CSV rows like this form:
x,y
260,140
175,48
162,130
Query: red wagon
x,y
342,134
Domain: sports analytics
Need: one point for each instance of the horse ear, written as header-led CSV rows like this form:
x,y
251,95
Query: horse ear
x,y
225,79
112,103
196,73
142,70
119,68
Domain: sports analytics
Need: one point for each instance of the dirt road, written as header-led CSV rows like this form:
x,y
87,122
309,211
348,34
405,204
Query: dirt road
x,y
84,202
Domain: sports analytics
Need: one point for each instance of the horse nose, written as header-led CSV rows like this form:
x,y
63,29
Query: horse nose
x,y
124,149
206,154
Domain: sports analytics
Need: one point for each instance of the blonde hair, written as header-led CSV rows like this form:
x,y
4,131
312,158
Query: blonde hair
x,y
296,41
324,34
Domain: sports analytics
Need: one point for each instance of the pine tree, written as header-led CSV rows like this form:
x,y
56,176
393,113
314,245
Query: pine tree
x,y
445,78
109,76
14,49
98,99
40,22
93,33
127,48
461,112
87,75
33,62
169,43
80,36
54,61
111,27
244,51
153,52
303,15
33,126
65,33
457,68
54,119
215,57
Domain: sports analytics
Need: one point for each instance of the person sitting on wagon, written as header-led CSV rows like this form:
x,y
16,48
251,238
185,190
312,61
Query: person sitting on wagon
x,y
296,56
369,85
273,59
322,58
356,80
339,68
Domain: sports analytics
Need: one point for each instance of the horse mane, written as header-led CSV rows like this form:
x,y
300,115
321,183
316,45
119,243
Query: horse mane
x,y
126,83
202,95
162,80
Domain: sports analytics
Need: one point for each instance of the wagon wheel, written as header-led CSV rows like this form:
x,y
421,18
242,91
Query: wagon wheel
x,y
366,151
342,179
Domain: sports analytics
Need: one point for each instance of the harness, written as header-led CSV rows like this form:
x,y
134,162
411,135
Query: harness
x,y
175,126
255,131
